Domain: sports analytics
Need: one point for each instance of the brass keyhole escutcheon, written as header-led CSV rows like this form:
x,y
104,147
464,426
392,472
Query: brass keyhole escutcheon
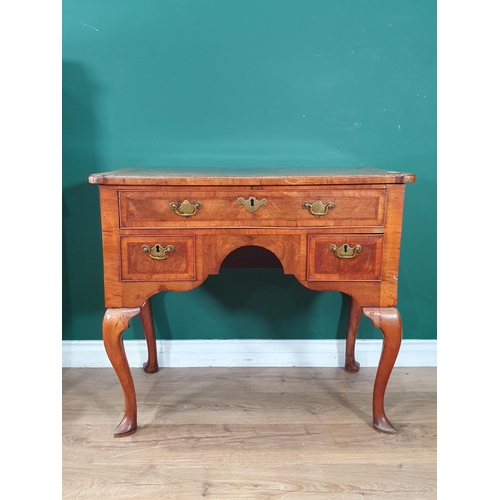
x,y
186,208
252,204
157,252
318,208
345,251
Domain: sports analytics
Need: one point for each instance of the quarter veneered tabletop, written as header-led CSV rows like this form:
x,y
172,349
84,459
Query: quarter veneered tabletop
x,y
250,176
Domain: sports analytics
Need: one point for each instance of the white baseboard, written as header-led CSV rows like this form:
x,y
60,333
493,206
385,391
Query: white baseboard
x,y
248,353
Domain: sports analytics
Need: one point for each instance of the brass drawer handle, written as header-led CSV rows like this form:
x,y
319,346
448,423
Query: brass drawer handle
x,y
318,208
345,251
157,252
252,204
186,208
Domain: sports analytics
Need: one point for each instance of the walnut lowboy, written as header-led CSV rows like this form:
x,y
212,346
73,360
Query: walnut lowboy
x,y
168,229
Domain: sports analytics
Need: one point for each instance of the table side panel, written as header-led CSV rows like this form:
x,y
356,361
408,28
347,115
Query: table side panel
x,y
392,245
111,247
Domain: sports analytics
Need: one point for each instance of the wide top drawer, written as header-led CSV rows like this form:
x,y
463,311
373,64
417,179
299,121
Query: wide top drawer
x,y
354,206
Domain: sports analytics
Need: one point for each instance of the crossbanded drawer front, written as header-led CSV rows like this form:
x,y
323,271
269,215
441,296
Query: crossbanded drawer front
x,y
157,258
246,207
344,257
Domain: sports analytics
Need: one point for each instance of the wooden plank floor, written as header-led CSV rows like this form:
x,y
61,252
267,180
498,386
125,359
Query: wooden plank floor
x,y
249,433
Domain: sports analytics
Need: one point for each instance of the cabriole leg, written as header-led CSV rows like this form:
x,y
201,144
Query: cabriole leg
x,y
114,323
151,366
389,322
351,365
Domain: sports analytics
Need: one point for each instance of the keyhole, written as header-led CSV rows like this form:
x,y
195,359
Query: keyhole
x,y
345,248
157,248
252,202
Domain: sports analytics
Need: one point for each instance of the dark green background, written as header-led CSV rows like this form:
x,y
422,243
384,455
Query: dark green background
x,y
240,83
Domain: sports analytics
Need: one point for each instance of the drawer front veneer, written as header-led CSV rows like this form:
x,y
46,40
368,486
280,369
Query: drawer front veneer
x,y
344,257
157,258
246,207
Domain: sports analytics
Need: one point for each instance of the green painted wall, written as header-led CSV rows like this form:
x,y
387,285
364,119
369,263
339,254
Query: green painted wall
x,y
258,83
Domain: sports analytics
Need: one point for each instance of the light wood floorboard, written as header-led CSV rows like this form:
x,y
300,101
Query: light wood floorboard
x,y
249,433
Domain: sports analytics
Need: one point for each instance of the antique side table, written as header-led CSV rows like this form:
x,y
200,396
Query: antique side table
x,y
166,229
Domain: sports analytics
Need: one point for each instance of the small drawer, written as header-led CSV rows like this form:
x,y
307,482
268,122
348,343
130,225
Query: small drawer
x,y
157,258
344,257
363,206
